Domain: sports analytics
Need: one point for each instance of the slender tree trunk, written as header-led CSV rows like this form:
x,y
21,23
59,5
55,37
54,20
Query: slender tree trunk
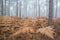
x,y
9,9
50,12
5,7
39,7
2,8
56,9
17,8
20,8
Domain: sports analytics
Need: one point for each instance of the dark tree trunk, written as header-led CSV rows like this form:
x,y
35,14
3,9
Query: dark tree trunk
x,y
2,8
50,12
17,8
56,9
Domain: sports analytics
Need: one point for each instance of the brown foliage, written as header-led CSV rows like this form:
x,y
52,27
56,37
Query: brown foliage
x,y
15,28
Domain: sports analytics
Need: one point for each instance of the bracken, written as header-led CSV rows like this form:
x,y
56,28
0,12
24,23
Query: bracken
x,y
24,28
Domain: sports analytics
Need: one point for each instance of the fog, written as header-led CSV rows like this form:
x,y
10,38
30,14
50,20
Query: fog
x,y
29,8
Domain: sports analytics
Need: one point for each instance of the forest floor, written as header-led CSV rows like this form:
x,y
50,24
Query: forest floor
x,y
24,28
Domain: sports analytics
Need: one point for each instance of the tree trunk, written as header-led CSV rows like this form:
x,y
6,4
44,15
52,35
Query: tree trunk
x,y
50,12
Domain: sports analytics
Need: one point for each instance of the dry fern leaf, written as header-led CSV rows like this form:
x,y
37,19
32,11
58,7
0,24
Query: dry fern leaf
x,y
48,31
23,30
